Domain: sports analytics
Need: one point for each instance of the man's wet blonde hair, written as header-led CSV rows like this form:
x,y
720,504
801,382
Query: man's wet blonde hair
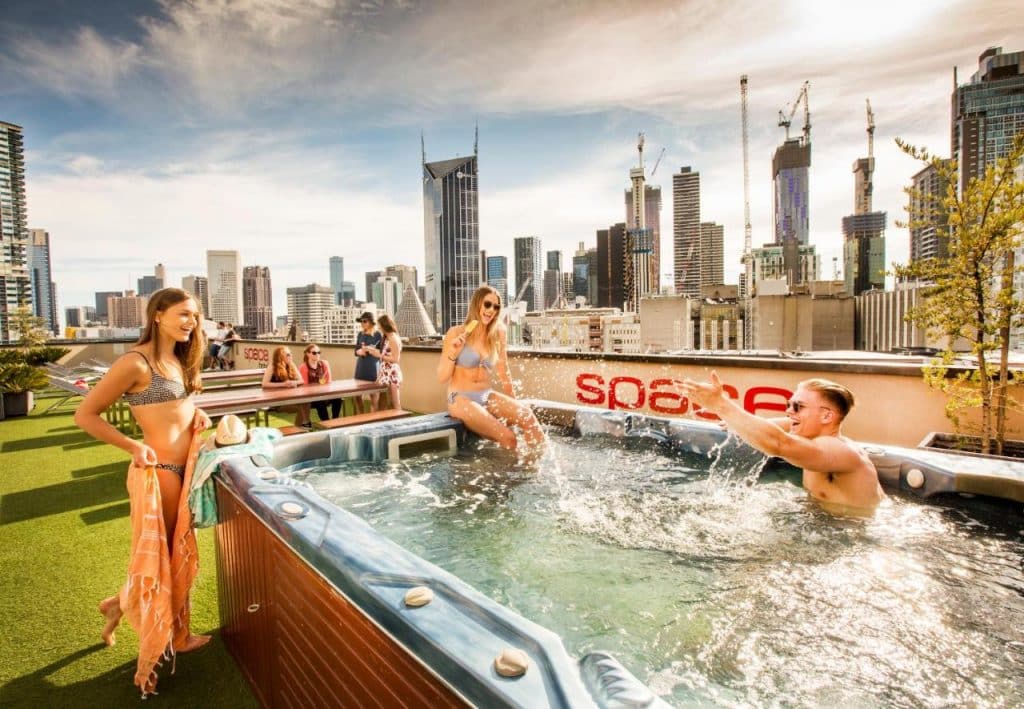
x,y
837,395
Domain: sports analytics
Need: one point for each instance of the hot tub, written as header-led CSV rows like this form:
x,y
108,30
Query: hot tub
x,y
702,567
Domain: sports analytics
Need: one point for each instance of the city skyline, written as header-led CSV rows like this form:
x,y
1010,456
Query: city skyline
x,y
132,143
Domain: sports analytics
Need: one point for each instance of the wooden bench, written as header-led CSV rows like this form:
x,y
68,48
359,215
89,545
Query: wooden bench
x,y
292,430
344,421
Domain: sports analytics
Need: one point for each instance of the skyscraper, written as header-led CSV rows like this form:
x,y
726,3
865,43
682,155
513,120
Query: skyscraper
x,y
686,232
580,272
102,297
387,294
712,253
611,264
308,306
44,291
148,285
791,166
652,220
553,279
15,283
337,277
451,237
864,230
529,271
257,301
929,227
554,260
988,111
497,275
371,278
200,288
127,311
224,271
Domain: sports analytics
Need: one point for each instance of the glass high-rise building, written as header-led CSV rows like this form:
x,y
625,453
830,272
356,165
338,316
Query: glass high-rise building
x,y
791,166
497,275
611,266
988,111
257,301
864,252
337,264
528,255
44,291
451,238
15,281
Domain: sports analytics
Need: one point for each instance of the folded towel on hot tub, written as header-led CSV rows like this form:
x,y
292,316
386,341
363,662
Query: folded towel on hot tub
x,y
202,496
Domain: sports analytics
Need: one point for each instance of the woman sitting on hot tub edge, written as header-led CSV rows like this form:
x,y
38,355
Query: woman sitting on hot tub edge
x,y
470,355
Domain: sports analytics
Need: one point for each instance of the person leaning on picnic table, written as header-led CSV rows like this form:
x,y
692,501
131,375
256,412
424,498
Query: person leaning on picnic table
x,y
283,374
837,472
315,370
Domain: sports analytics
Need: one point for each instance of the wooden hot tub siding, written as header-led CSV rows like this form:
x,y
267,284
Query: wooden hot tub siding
x,y
297,640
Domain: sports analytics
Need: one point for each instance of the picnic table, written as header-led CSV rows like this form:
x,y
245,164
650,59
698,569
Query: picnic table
x,y
257,400
223,378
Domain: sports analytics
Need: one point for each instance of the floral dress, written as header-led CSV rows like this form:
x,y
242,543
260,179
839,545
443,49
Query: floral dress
x,y
389,372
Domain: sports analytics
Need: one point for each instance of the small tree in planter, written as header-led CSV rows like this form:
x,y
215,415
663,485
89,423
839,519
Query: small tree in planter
x,y
970,294
17,382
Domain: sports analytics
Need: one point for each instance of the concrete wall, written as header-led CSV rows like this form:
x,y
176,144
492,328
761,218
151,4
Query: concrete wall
x,y
894,406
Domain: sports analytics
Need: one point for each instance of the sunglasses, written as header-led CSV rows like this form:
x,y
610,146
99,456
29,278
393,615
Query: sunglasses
x,y
316,352
798,406
287,354
491,305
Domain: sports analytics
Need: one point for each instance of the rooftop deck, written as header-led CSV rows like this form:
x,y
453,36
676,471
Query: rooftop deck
x,y
64,539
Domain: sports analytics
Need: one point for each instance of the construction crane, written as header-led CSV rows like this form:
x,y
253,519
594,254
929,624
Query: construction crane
x,y
656,163
871,130
747,246
786,120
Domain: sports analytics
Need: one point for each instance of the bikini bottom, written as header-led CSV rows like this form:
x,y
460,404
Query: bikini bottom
x,y
480,397
178,470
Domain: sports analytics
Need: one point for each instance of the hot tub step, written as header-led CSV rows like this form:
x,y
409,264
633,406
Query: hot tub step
x,y
344,421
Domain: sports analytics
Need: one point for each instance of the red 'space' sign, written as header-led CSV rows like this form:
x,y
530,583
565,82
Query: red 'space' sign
x,y
256,354
664,395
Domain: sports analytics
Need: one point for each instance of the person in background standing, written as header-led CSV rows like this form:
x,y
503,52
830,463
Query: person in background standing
x,y
368,343
390,373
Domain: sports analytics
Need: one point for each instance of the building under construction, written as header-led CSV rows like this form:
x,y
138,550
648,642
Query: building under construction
x,y
864,230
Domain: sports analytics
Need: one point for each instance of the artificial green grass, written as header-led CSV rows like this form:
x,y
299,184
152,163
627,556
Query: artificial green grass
x,y
64,539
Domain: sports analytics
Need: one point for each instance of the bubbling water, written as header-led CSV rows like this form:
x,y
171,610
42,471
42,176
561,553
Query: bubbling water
x,y
709,587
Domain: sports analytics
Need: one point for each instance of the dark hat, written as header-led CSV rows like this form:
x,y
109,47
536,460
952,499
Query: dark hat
x,y
367,315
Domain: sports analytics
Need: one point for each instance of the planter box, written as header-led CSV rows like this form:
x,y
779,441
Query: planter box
x,y
18,404
971,445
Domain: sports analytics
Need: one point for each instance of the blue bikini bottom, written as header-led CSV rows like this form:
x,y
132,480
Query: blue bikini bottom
x,y
480,397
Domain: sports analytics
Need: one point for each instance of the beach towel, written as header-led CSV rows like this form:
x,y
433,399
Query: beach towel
x,y
155,599
202,496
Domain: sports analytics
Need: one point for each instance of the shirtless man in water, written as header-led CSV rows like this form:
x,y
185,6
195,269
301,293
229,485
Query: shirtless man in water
x,y
836,471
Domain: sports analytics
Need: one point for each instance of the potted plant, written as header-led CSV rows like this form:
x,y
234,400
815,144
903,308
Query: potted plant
x,y
972,292
17,382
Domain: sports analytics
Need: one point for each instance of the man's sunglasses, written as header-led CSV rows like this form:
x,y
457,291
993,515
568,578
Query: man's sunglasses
x,y
798,406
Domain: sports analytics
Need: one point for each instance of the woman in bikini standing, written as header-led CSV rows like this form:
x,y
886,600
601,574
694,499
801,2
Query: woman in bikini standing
x,y
157,378
471,353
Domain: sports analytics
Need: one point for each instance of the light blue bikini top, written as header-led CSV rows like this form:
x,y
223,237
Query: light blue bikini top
x,y
470,358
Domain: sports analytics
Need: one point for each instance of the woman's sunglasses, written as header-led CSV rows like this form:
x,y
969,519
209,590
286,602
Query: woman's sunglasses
x,y
491,305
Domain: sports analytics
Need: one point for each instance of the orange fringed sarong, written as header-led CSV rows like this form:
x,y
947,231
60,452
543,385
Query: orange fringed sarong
x,y
155,599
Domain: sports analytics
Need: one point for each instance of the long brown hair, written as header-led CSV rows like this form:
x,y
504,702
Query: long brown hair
x,y
282,368
496,327
386,324
189,353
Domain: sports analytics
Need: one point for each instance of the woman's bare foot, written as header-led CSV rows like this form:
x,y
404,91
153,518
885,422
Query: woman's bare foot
x,y
111,610
194,642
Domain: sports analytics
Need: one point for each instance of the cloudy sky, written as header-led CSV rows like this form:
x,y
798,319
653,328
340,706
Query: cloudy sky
x,y
290,129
